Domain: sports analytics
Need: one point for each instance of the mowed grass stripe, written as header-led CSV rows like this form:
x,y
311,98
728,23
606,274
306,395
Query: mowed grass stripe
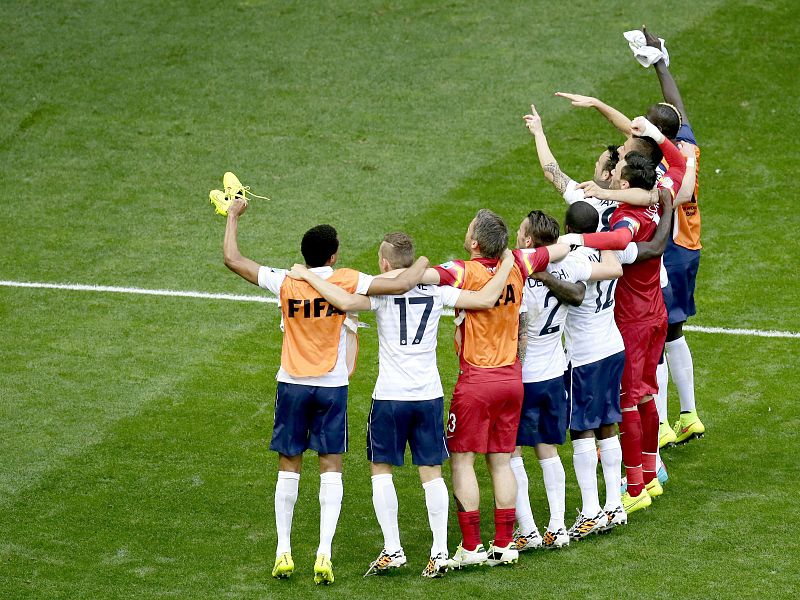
x,y
79,364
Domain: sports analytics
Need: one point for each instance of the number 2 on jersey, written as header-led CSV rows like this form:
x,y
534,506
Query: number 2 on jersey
x,y
401,305
548,325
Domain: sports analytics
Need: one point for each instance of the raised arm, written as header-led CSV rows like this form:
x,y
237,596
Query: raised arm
x,y
690,178
669,89
676,161
340,298
615,117
490,292
552,171
655,247
241,265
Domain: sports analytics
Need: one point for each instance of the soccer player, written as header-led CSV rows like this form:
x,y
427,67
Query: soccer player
x,y
595,353
641,318
647,141
485,410
545,411
311,399
681,258
407,403
567,186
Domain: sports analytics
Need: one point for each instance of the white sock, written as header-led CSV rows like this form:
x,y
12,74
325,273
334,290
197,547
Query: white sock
x,y
523,508
680,363
555,484
584,459
611,457
330,505
285,498
438,503
662,376
384,499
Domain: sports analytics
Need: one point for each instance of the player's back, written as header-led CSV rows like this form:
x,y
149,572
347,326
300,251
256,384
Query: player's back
x,y
408,326
544,355
489,337
591,332
638,296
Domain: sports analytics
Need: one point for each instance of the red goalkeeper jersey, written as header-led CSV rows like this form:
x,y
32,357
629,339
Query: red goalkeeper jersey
x,y
638,296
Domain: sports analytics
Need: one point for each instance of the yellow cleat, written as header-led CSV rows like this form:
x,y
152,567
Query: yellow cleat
x,y
221,202
654,488
323,570
666,436
633,503
233,187
284,566
688,427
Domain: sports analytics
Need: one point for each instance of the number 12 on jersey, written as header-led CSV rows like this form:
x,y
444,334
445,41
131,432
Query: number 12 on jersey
x,y
403,307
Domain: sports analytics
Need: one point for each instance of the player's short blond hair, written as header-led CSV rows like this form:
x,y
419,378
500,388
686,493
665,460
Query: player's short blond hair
x,y
398,249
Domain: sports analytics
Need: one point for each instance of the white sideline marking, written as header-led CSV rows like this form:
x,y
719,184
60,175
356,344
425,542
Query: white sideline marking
x,y
77,287
272,300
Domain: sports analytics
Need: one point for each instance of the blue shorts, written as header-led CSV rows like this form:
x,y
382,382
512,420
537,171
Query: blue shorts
x,y
593,392
394,423
681,264
309,416
544,413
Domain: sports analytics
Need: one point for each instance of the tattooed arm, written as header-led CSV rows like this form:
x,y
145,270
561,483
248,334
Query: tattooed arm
x,y
552,172
522,336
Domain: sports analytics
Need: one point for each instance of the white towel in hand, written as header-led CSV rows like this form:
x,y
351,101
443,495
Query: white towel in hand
x,y
646,55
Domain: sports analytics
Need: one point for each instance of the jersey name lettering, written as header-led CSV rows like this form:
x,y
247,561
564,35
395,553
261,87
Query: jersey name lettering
x,y
317,305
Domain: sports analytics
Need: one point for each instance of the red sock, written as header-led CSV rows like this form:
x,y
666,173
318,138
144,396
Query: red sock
x,y
649,416
504,526
470,523
630,439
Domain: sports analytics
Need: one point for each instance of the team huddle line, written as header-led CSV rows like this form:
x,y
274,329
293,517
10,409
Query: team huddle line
x,y
617,286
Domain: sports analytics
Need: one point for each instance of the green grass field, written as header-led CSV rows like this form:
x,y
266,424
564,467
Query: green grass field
x,y
134,429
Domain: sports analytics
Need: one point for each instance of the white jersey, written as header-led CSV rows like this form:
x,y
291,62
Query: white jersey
x,y
591,332
604,208
544,354
408,327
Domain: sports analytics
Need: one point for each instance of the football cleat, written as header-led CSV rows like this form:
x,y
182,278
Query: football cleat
x,y
437,566
386,561
634,503
555,539
233,187
466,558
323,570
616,517
654,488
663,476
588,525
220,201
687,427
284,566
527,541
666,435
502,555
